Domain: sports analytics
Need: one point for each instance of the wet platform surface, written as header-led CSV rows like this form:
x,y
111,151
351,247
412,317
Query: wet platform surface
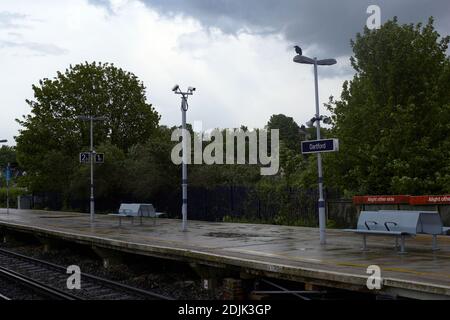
x,y
281,251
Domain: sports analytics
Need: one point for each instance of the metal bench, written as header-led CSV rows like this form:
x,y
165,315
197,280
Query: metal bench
x,y
399,224
132,210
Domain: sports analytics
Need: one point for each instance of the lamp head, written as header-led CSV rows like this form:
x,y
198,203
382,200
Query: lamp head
x,y
327,120
310,123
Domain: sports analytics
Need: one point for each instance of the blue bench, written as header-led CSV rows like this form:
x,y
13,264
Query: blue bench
x,y
132,210
400,224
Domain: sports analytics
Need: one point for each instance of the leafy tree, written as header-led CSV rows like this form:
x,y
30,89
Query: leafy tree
x,y
7,155
289,130
393,117
150,170
52,136
110,180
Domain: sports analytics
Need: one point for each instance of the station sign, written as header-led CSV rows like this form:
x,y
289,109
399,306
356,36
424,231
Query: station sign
x,y
8,173
318,146
417,200
400,199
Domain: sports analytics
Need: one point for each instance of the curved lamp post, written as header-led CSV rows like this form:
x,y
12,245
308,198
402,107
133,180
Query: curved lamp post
x,y
321,203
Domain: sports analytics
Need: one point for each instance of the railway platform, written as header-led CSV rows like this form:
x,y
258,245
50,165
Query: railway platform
x,y
253,250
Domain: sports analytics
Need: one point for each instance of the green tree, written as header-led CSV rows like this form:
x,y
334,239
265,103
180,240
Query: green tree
x,y
7,155
289,130
52,136
393,117
110,179
150,170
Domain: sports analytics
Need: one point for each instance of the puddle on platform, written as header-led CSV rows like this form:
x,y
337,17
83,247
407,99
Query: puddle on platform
x,y
57,217
233,235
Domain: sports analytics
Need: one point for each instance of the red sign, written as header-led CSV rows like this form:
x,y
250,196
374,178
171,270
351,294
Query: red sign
x,y
430,200
381,199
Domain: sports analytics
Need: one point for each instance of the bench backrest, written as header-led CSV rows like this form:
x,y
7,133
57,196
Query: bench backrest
x,y
147,210
412,222
137,209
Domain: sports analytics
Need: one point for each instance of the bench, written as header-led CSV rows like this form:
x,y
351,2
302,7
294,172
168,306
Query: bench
x,y
399,224
132,210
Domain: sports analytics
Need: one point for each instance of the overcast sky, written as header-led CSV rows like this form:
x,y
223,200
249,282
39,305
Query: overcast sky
x,y
238,53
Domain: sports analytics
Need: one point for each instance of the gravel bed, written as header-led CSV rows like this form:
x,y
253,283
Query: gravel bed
x,y
14,291
170,281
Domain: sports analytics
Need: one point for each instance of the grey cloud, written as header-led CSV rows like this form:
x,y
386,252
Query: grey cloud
x,y
11,20
328,25
36,48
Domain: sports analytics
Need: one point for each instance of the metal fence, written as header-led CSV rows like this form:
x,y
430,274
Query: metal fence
x,y
232,203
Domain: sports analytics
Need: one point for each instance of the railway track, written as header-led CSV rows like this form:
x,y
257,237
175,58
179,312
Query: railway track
x,y
36,286
50,280
2,297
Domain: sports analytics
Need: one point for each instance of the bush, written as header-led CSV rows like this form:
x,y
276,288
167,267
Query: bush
x,y
13,194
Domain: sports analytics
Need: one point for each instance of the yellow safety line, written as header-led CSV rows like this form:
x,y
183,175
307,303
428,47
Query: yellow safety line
x,y
345,264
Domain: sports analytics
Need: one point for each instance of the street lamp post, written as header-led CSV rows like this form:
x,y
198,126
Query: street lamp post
x,y
8,177
321,202
91,120
7,181
184,108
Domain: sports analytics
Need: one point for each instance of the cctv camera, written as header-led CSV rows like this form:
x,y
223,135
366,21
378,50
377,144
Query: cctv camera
x,y
327,120
192,89
310,123
175,88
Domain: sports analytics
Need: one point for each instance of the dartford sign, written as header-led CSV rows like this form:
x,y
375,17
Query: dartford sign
x,y
316,146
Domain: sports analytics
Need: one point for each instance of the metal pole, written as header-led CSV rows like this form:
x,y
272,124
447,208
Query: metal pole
x,y
8,176
92,203
321,202
184,164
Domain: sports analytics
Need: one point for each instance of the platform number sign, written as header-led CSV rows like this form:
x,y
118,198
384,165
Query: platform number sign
x,y
99,158
85,157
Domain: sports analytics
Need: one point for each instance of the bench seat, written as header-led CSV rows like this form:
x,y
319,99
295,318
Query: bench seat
x,y
396,234
378,232
132,210
400,224
123,215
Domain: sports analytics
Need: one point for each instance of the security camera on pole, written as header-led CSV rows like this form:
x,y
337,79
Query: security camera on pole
x,y
318,146
184,108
